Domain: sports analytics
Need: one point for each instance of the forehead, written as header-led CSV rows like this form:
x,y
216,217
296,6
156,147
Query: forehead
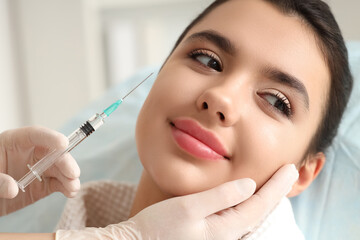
x,y
263,35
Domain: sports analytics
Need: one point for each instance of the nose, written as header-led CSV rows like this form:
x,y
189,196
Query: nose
x,y
219,104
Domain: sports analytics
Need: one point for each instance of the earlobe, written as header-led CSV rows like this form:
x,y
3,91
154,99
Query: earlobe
x,y
308,171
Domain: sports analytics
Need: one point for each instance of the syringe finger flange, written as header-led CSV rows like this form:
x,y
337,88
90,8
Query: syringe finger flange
x,y
35,173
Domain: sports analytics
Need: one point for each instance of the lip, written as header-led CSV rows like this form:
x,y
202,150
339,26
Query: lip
x,y
199,142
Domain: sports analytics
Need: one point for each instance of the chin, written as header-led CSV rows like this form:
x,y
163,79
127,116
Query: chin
x,y
179,183
180,188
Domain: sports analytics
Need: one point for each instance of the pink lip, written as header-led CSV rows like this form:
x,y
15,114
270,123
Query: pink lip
x,y
196,140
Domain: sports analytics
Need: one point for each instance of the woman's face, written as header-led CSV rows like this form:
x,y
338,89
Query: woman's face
x,y
241,95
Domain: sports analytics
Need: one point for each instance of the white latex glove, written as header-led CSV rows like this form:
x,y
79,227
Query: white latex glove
x,y
22,146
228,211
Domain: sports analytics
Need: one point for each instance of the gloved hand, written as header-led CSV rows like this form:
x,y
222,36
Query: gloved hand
x,y
22,146
228,211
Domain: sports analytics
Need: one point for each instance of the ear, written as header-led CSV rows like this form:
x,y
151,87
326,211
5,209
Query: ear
x,y
308,171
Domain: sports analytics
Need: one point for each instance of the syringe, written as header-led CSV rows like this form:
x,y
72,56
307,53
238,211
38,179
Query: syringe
x,y
75,138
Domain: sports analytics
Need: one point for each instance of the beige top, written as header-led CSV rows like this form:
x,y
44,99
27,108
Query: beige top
x,y
106,202
98,204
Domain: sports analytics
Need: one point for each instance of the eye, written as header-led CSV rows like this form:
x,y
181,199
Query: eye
x,y
207,58
279,102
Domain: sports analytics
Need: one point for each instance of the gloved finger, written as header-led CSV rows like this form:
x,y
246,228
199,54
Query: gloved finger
x,y
69,190
64,164
259,205
8,186
71,184
221,197
55,172
44,137
68,166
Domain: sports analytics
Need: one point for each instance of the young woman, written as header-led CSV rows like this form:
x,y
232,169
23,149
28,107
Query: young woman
x,y
251,85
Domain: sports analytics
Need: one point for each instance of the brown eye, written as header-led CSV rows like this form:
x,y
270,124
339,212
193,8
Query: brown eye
x,y
279,102
207,58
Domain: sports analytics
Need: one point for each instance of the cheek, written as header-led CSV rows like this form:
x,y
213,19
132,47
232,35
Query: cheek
x,y
164,94
264,146
170,96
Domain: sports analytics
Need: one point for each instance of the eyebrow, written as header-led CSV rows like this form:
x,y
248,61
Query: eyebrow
x,y
216,38
289,80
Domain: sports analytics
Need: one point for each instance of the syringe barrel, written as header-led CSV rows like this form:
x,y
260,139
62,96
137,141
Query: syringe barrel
x,y
74,139
85,130
77,136
97,120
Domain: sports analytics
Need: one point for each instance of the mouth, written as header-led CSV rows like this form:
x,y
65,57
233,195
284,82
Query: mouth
x,y
191,137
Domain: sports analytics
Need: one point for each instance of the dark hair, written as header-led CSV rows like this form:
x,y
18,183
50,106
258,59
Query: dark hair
x,y
317,15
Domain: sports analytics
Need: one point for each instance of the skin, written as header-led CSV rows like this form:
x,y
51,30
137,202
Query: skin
x,y
258,137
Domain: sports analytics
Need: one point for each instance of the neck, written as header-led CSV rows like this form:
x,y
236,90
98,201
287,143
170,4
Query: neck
x,y
148,193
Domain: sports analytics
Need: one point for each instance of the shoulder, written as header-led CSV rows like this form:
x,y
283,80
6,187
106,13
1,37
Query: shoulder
x,y
98,204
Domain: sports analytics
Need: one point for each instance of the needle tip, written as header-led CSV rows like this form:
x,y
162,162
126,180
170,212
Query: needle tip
x,y
115,105
137,86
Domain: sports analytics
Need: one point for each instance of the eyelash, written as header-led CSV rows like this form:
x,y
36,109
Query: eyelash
x,y
284,101
211,55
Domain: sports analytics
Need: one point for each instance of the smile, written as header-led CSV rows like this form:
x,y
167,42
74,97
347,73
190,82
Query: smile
x,y
197,141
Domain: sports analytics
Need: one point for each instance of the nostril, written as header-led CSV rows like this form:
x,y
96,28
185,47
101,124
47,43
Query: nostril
x,y
222,117
205,105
